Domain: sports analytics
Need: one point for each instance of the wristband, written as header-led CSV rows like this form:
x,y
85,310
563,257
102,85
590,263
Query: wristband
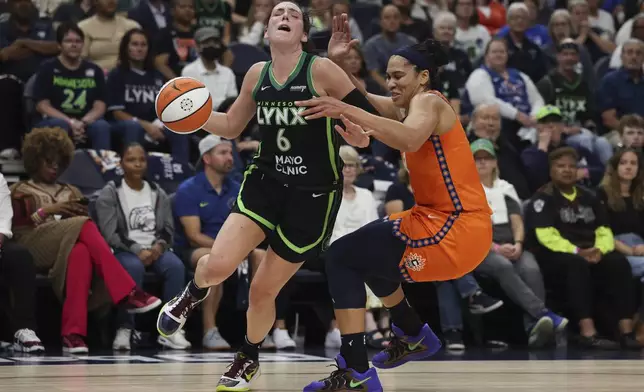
x,y
495,247
576,250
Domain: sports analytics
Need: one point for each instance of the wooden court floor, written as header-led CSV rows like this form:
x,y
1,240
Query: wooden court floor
x,y
479,376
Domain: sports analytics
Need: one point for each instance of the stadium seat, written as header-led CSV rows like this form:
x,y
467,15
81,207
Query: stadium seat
x,y
245,57
83,173
167,172
320,40
364,14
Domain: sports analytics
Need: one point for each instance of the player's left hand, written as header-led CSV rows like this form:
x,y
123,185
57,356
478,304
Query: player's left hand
x,y
319,107
353,133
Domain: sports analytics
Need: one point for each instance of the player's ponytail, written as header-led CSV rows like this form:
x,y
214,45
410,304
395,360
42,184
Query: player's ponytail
x,y
430,55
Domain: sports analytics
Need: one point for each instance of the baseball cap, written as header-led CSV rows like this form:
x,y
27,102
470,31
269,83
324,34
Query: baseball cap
x,y
567,43
209,142
548,113
205,33
483,145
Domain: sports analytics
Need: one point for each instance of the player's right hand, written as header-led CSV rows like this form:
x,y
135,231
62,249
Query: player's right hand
x,y
340,43
353,133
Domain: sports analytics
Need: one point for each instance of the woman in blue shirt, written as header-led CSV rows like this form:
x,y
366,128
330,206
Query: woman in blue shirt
x,y
131,90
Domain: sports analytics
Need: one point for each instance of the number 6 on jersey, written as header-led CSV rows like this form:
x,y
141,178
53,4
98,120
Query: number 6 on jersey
x,y
282,142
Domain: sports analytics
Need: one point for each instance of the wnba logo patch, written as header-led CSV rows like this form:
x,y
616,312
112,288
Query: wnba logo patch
x,y
414,262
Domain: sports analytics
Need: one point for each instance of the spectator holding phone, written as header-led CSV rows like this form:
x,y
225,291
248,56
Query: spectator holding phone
x,y
51,220
135,217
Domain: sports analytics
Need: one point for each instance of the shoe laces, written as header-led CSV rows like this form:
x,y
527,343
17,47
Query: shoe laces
x,y
26,335
338,374
183,304
238,366
396,347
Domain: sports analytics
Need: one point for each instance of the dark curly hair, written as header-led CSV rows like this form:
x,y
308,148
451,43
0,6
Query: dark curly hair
x,y
46,145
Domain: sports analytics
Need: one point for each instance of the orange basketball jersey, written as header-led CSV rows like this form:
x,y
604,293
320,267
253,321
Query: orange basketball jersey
x,y
449,230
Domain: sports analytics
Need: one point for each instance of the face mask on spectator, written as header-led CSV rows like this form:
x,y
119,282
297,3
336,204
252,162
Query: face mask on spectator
x,y
212,53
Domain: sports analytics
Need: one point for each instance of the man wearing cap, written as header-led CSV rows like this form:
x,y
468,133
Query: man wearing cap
x,y
549,137
514,268
218,79
201,205
566,88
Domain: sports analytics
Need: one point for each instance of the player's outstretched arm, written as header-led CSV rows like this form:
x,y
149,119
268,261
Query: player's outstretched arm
x,y
339,46
231,124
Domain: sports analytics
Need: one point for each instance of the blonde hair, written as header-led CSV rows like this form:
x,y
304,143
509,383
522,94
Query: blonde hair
x,y
350,155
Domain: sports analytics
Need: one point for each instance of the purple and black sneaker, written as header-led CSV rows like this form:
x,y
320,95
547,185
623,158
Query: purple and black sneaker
x,y
403,349
347,379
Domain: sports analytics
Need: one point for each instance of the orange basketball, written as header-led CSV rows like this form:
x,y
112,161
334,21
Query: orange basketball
x,y
184,105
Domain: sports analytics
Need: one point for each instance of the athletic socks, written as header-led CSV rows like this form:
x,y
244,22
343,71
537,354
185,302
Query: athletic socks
x,y
406,318
354,352
197,292
251,350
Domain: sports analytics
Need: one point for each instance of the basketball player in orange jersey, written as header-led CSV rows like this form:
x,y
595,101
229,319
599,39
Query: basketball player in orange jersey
x,y
291,192
444,236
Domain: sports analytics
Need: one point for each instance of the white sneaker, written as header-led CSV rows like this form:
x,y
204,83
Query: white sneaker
x,y
268,344
212,340
283,340
177,341
122,339
333,339
26,341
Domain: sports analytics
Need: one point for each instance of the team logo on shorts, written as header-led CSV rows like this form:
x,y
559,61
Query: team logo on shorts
x,y
414,262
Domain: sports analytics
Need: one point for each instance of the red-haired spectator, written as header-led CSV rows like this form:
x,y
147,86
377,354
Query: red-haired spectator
x,y
51,220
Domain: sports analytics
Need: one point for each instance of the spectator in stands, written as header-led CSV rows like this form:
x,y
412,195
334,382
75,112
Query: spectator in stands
x,y
380,47
73,12
399,196
621,92
550,137
486,124
421,29
70,92
252,30
175,45
513,91
201,205
453,75
631,132
216,14
135,218
514,268
598,42
491,14
103,34
50,219
354,64
534,32
523,53
427,9
626,31
340,7
565,88
575,250
471,37
18,275
151,15
131,91
320,14
637,32
600,18
622,193
25,42
220,80
45,8
450,295
560,28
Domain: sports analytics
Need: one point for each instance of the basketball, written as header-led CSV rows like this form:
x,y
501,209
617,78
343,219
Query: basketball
x,y
184,105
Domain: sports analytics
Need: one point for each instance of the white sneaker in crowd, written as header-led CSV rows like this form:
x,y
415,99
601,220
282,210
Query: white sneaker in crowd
x,y
333,339
177,341
283,340
122,339
26,341
212,340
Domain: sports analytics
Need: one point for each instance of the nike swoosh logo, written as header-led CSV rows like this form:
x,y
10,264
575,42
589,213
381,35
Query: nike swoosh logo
x,y
174,86
318,195
265,87
354,384
414,346
251,374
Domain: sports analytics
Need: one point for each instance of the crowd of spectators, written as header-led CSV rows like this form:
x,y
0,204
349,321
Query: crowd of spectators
x,y
550,93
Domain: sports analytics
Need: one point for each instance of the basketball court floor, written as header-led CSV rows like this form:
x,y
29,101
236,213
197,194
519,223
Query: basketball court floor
x,y
479,371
